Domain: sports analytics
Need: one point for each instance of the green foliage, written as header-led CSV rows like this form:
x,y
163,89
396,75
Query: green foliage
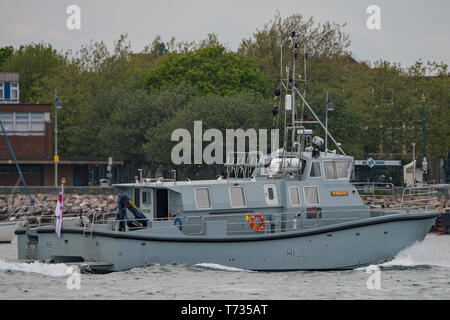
x,y
244,110
317,40
126,105
5,53
210,69
33,62
116,119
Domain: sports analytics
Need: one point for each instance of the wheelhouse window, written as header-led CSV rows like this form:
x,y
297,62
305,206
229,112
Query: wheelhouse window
x,y
2,86
315,170
294,195
338,169
342,169
311,195
237,197
202,198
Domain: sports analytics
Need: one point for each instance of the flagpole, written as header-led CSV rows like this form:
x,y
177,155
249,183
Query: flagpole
x,y
59,210
56,141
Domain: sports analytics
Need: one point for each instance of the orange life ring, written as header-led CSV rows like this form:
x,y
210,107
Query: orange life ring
x,y
256,226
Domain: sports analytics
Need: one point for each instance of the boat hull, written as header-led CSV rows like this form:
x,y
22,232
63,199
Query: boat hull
x,y
344,246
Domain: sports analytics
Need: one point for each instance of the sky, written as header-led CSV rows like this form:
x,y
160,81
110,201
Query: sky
x,y
410,29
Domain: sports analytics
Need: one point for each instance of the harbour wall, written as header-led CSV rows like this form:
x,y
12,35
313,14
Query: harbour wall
x,y
76,201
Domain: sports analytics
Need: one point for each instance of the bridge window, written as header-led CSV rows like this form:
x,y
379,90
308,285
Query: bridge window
x,y
237,196
315,170
338,169
311,195
202,198
342,169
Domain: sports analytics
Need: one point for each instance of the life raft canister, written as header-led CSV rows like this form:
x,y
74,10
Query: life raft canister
x,y
255,225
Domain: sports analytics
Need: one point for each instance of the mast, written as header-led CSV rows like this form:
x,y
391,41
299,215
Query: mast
x,y
294,91
294,45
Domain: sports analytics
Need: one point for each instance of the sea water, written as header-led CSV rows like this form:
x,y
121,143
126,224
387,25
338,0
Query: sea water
x,y
421,271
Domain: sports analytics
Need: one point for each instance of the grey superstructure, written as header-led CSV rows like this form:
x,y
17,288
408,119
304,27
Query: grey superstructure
x,y
295,210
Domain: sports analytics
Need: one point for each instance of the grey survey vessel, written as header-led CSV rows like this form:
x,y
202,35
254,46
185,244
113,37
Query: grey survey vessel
x,y
289,210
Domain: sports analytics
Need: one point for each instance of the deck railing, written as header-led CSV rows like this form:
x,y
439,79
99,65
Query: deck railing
x,y
386,195
241,223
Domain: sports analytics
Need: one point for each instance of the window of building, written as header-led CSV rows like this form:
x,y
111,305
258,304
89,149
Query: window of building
x,y
294,195
2,89
311,195
22,122
37,121
14,91
315,170
237,197
202,198
7,120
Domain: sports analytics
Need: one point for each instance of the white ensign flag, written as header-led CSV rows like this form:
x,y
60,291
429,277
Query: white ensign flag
x,y
59,212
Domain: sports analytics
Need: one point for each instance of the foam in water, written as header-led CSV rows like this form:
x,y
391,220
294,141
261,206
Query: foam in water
x,y
52,270
219,267
433,251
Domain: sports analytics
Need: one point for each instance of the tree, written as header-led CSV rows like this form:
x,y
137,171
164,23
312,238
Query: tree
x,y
5,53
244,110
115,120
317,40
210,69
33,62
92,71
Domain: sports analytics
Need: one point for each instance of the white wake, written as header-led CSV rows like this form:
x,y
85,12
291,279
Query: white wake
x,y
219,267
434,251
52,270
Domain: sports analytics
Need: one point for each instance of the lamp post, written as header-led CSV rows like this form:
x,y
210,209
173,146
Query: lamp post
x,y
58,105
424,133
424,138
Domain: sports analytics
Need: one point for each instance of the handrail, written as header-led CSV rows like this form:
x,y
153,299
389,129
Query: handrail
x,y
236,223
